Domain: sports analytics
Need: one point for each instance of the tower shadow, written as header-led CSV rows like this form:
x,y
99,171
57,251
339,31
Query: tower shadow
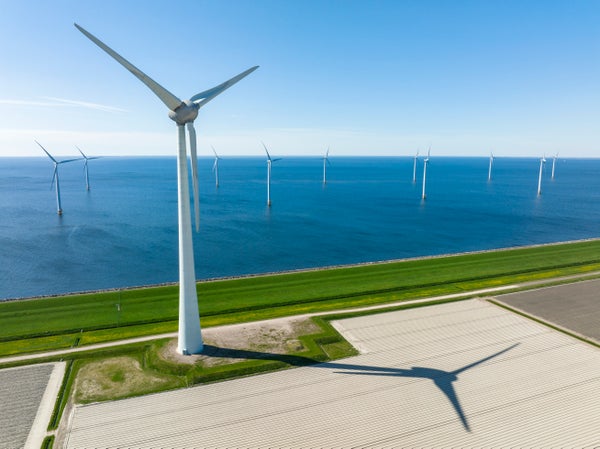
x,y
442,379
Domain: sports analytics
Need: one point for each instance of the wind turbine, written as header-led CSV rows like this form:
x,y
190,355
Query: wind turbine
x,y
554,164
542,162
55,176
269,162
325,162
416,157
425,164
182,113
490,168
216,166
85,167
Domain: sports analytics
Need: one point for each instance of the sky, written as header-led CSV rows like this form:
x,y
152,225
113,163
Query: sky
x,y
385,78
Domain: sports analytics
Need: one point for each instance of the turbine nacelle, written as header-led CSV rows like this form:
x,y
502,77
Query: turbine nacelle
x,y
186,112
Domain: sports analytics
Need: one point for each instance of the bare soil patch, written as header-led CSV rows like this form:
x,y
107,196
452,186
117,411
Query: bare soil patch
x,y
274,337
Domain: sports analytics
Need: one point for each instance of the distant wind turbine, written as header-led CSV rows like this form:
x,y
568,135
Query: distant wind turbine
x,y
85,167
269,162
416,157
216,166
542,162
325,162
554,164
182,113
490,167
55,176
425,163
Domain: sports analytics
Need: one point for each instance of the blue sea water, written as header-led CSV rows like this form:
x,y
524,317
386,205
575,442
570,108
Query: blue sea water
x,y
123,232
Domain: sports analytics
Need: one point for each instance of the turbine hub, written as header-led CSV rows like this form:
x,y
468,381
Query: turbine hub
x,y
186,112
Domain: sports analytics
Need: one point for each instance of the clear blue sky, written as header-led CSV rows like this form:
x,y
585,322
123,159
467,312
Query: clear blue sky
x,y
519,78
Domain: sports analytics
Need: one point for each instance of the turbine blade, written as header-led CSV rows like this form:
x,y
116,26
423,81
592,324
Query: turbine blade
x,y
53,160
204,97
170,100
268,155
215,151
53,176
69,160
84,156
194,158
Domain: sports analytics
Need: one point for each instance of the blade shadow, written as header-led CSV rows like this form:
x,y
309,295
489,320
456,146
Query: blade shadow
x,y
443,380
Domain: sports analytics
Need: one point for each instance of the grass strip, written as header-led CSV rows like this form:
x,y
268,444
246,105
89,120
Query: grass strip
x,y
62,398
29,325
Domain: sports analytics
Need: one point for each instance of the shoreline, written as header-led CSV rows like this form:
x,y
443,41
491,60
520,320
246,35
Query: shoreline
x,y
299,270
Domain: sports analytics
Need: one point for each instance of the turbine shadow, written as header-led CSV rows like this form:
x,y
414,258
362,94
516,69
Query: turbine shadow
x,y
442,379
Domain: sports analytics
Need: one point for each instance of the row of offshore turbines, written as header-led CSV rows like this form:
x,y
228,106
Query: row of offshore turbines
x,y
270,161
183,113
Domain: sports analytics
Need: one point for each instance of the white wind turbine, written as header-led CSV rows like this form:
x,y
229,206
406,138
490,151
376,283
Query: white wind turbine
x,y
216,166
85,167
182,113
416,157
269,162
425,164
542,162
325,162
490,167
55,176
554,164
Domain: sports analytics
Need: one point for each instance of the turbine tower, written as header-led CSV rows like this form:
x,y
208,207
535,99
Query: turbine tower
x,y
183,113
425,164
216,166
325,162
269,162
490,167
542,162
554,164
55,176
85,167
416,157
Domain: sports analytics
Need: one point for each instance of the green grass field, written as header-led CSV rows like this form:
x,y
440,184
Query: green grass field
x,y
59,322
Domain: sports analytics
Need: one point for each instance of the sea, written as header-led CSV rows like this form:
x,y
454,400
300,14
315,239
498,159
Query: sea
x,y
123,231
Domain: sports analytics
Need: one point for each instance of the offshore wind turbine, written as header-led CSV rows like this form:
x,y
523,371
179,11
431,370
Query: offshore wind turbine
x,y
490,167
269,162
554,164
325,162
55,176
183,113
85,167
542,162
416,157
425,164
216,166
